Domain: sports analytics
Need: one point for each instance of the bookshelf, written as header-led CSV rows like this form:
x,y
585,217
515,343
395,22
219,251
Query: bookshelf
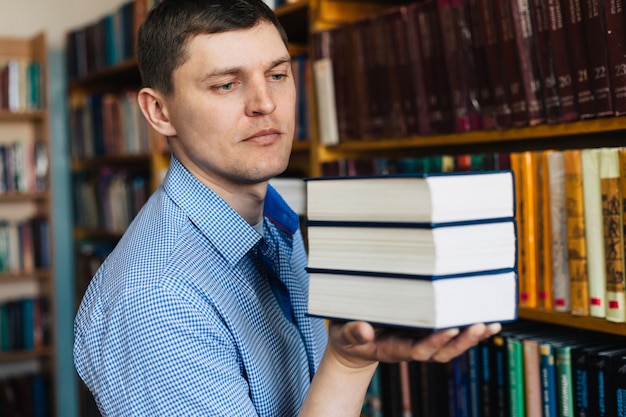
x,y
26,271
579,134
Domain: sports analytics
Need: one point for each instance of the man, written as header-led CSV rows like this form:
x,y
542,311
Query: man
x,y
201,308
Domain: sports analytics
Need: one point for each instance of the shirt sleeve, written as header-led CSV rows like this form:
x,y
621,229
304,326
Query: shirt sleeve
x,y
151,353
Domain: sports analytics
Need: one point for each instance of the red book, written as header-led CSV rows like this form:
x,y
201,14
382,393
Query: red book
x,y
530,77
456,49
598,57
414,54
484,89
563,69
510,60
575,31
435,74
614,20
495,63
546,63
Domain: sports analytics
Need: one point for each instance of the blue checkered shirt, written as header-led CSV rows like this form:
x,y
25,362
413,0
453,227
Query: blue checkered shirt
x,y
179,321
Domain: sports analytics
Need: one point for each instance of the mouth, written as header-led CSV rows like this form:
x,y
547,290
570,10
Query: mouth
x,y
265,136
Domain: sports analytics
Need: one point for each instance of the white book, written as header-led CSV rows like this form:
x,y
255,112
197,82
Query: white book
x,y
594,233
558,232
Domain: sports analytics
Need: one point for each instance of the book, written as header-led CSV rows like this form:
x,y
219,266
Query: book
x,y
576,241
563,72
528,61
426,198
575,32
594,236
595,34
558,232
412,248
495,63
615,30
413,301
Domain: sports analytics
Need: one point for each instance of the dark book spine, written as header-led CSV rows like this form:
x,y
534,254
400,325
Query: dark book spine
x,y
414,52
484,91
528,61
435,74
510,60
614,21
453,24
495,64
562,62
575,30
546,63
598,57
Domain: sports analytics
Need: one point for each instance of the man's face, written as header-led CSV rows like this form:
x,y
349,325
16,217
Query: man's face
x,y
233,107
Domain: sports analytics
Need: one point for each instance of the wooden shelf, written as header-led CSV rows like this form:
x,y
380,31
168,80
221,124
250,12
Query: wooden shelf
x,y
90,163
29,116
20,355
580,322
39,274
15,196
531,133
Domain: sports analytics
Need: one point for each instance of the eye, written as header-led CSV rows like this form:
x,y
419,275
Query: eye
x,y
225,87
278,77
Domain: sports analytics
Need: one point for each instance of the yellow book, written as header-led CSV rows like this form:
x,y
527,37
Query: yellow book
x,y
613,174
576,244
545,274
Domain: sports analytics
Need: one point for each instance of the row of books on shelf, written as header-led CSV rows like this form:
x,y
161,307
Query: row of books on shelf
x,y
401,250
107,124
107,41
23,167
439,66
526,370
108,198
24,245
24,324
20,85
569,218
25,391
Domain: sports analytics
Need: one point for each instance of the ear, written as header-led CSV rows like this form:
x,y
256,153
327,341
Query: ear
x,y
155,111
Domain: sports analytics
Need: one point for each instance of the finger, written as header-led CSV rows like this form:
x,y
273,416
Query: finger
x,y
462,342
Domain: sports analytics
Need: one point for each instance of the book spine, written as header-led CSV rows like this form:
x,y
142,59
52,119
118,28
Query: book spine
x,y
484,89
434,66
532,377
576,245
547,366
565,381
575,30
594,236
418,71
561,59
515,357
495,63
510,59
558,235
598,58
544,274
546,63
528,61
614,167
614,28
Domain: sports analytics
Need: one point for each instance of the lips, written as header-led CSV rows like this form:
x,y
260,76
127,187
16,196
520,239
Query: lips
x,y
265,136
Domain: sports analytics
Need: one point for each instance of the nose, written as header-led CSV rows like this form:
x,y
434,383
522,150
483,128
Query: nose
x,y
259,100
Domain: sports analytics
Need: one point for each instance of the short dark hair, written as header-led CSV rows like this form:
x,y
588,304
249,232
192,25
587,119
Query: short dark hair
x,y
163,36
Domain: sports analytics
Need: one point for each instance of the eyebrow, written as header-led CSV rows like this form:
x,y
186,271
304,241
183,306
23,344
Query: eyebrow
x,y
238,70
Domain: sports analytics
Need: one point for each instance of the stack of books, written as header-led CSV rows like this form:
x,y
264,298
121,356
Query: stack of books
x,y
429,251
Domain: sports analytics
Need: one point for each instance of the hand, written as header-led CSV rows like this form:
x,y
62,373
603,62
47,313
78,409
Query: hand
x,y
359,344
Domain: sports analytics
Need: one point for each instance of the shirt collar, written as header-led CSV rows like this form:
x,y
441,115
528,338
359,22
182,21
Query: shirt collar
x,y
218,221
